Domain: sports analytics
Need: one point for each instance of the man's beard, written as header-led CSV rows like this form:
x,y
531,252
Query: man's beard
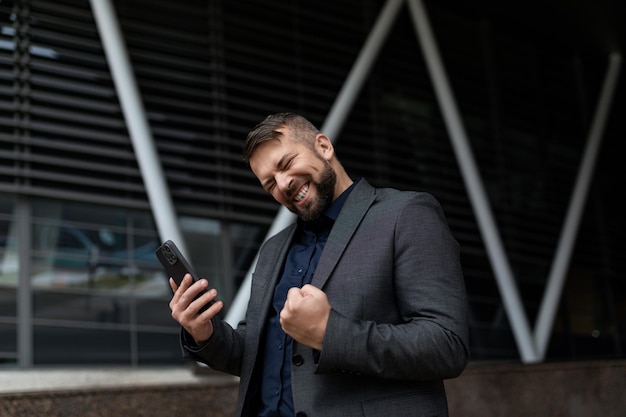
x,y
325,195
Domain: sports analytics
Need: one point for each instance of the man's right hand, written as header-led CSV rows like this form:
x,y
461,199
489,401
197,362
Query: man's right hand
x,y
186,310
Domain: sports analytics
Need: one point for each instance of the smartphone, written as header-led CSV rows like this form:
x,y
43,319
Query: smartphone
x,y
176,265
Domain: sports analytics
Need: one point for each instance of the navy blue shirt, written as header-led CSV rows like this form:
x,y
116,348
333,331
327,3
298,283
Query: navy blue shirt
x,y
302,259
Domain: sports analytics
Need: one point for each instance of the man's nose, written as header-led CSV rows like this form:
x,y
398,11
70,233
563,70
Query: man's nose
x,y
283,181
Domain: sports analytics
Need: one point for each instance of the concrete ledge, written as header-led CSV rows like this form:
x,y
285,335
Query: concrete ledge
x,y
128,393
32,380
571,389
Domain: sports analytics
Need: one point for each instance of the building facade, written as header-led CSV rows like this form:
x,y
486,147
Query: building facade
x,y
512,119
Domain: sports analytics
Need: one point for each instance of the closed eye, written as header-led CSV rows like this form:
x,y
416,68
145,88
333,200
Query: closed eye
x,y
283,164
269,185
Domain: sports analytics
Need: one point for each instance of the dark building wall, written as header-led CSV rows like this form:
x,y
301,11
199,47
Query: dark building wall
x,y
527,80
579,389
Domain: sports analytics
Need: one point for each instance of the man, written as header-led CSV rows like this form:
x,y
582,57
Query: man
x,y
357,309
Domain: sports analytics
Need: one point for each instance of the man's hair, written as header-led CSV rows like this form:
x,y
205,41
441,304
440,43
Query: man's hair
x,y
303,131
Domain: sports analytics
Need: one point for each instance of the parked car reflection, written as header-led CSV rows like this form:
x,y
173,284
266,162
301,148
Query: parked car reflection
x,y
70,257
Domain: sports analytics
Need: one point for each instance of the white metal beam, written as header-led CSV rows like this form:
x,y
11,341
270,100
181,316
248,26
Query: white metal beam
x,y
489,230
558,271
137,122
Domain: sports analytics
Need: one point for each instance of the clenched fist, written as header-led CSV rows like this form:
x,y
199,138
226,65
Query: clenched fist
x,y
305,315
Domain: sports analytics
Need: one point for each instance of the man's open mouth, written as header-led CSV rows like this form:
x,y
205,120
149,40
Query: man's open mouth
x,y
301,194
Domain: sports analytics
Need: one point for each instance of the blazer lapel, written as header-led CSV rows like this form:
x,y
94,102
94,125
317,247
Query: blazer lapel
x,y
356,206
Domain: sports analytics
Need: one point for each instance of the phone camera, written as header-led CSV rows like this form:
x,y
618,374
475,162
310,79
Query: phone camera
x,y
169,255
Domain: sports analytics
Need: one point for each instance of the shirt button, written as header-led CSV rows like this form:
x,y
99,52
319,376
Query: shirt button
x,y
297,360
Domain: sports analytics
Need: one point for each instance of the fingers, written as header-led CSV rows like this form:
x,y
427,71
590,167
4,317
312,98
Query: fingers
x,y
185,283
180,290
305,315
189,312
185,295
294,296
308,289
294,302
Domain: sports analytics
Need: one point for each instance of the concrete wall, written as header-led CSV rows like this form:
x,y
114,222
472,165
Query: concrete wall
x,y
572,389
117,393
577,389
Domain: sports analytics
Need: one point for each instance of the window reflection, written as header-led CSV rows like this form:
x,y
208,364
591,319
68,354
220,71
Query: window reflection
x,y
80,247
93,258
95,285
80,307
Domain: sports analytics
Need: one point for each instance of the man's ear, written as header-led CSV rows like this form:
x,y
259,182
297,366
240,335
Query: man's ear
x,y
324,146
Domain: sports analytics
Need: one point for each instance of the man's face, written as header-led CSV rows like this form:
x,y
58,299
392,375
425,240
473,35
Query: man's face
x,y
298,177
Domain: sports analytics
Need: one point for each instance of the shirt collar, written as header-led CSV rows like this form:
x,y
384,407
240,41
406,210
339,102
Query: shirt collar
x,y
332,212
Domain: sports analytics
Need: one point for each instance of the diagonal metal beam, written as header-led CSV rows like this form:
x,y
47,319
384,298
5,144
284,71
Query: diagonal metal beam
x,y
532,349
137,122
558,271
332,126
478,197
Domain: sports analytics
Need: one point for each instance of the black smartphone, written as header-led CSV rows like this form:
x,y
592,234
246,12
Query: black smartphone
x,y
175,264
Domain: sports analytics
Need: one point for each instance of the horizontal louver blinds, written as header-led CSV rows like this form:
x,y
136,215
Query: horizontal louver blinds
x,y
279,56
9,88
208,71
68,136
177,54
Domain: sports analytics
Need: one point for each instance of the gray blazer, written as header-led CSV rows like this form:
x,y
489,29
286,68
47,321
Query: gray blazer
x,y
398,325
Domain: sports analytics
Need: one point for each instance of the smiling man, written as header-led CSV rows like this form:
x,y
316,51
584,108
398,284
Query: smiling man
x,y
298,167
357,309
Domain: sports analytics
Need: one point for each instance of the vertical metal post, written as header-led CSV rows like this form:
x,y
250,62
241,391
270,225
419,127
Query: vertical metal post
x,y
137,122
332,126
24,288
478,197
558,271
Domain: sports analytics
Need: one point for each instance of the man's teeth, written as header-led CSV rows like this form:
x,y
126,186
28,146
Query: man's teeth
x,y
301,194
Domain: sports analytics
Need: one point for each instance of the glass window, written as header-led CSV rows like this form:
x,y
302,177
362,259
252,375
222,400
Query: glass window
x,y
8,282
59,345
160,349
204,247
246,240
78,246
8,243
81,307
8,342
97,285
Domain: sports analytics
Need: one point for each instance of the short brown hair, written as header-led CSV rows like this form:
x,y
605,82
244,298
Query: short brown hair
x,y
303,131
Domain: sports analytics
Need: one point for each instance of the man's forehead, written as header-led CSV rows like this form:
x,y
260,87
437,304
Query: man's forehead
x,y
270,146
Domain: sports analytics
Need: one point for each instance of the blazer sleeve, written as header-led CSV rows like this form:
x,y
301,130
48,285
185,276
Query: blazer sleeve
x,y
398,296
234,350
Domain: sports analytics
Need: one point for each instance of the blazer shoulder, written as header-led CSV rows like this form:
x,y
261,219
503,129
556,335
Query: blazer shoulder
x,y
396,197
387,198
